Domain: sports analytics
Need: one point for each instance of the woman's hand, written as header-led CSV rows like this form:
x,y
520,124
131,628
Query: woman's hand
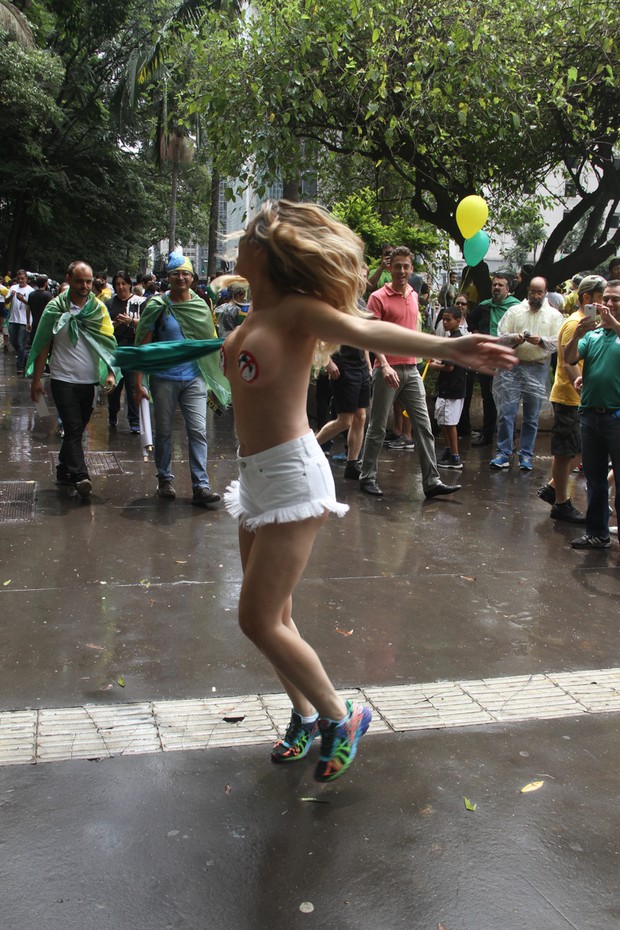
x,y
484,353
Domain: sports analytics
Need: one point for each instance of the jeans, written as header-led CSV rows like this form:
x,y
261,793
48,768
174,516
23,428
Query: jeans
x,y
114,400
18,334
191,396
74,403
600,440
531,391
412,395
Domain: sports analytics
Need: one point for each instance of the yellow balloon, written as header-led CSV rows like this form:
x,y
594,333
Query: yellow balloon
x,y
471,215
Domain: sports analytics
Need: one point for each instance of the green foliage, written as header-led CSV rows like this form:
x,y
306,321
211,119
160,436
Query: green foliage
x,y
359,212
456,98
69,186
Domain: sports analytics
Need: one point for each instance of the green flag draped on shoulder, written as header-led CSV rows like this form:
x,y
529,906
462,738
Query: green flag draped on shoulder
x,y
93,323
196,323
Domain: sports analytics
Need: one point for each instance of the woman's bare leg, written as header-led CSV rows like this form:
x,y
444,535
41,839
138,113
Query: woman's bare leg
x,y
274,559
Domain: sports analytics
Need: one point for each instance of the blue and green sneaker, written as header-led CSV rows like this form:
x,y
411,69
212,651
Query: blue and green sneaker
x,y
339,742
297,740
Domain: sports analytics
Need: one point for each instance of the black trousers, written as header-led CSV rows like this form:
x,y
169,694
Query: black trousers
x,y
114,400
489,410
74,403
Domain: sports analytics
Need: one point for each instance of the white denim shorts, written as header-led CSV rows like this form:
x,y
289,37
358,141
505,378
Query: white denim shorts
x,y
284,484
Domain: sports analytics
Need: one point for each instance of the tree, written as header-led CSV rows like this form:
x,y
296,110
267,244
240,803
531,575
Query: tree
x,y
15,24
158,71
360,212
456,98
70,187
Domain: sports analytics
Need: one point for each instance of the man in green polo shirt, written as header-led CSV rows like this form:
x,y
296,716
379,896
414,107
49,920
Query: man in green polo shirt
x,y
599,411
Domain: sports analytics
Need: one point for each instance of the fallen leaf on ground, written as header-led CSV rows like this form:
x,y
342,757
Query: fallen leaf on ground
x,y
533,786
227,789
95,646
121,681
343,632
233,719
468,805
5,583
181,561
467,578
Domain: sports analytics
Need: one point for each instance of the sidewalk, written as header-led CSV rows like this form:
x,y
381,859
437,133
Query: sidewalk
x,y
465,622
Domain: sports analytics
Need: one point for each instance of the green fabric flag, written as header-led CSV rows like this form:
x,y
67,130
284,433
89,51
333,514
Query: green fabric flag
x,y
157,356
196,323
498,311
93,323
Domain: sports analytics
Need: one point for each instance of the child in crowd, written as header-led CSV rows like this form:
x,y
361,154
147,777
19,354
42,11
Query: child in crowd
x,y
451,385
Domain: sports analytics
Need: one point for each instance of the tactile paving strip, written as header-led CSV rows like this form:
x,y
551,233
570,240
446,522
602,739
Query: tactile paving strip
x,y
101,731
17,499
97,463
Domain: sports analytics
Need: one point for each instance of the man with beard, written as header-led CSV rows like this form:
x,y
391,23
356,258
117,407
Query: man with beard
x,y
532,329
179,316
484,318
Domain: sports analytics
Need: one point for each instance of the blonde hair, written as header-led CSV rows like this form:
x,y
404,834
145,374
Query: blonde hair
x,y
310,252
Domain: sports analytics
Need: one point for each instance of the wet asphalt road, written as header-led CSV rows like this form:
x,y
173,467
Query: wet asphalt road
x,y
480,585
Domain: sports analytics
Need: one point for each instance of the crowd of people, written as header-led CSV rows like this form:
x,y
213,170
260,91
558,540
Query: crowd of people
x,y
302,290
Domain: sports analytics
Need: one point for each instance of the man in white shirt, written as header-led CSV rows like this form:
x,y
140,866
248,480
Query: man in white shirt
x,y
78,329
19,327
532,329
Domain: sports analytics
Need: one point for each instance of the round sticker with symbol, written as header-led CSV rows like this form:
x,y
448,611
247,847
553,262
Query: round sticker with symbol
x,y
248,366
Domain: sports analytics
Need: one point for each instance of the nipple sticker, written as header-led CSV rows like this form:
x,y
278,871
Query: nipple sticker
x,y
222,360
248,366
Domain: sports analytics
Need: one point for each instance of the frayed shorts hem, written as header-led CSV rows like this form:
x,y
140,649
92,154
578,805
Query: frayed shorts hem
x,y
285,484
292,514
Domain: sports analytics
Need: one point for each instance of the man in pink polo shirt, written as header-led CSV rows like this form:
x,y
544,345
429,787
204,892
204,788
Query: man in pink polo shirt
x,y
398,377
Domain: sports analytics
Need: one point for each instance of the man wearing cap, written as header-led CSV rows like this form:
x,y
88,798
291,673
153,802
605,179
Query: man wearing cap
x,y
232,314
599,411
565,438
176,316
532,329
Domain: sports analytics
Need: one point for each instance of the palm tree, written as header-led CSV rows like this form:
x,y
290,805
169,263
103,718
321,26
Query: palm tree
x,y
16,24
149,69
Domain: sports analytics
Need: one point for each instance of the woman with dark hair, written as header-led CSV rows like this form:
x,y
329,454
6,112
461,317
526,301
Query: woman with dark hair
x,y
124,310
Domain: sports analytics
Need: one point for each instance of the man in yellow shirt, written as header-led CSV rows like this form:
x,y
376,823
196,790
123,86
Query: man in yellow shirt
x,y
565,438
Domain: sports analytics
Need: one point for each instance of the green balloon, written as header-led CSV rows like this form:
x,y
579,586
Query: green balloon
x,y
476,248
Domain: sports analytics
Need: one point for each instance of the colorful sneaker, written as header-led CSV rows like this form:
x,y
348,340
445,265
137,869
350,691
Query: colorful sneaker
x,y
297,740
444,459
525,462
339,742
500,461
